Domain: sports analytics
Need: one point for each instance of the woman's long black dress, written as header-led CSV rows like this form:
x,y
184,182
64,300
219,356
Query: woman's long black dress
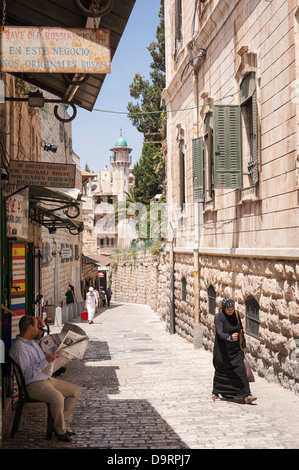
x,y
230,379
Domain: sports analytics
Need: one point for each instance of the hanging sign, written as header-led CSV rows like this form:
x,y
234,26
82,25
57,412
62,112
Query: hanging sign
x,y
54,50
51,175
17,209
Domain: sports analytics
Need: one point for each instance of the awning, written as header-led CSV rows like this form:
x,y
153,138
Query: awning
x,y
86,176
55,209
88,260
67,14
59,194
99,260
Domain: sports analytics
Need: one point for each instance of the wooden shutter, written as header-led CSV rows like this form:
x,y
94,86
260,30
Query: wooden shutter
x,y
182,173
227,147
253,163
198,169
173,29
178,11
177,34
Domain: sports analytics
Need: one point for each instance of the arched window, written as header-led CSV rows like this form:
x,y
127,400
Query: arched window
x,y
184,289
252,310
212,300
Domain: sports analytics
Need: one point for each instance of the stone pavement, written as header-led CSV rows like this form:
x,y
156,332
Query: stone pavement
x,y
143,388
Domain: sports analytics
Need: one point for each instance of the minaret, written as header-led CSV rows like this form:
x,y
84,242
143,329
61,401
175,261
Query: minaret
x,y
120,162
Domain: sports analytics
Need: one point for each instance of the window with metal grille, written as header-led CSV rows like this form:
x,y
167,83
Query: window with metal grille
x,y
212,300
184,289
249,118
252,310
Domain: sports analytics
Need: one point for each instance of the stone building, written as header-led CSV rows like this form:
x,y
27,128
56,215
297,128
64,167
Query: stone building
x,y
38,226
61,262
102,191
232,149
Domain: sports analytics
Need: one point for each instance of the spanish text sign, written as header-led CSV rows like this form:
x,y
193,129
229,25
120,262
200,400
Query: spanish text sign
x,y
55,50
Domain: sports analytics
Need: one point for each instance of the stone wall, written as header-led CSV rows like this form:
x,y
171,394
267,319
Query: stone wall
x,y
145,278
184,309
135,278
273,283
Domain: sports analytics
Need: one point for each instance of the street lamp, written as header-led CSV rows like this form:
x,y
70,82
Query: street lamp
x,y
37,100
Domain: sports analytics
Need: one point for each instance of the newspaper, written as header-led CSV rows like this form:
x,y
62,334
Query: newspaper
x,y
70,343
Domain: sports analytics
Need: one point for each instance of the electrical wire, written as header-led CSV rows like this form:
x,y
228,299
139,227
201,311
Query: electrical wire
x,y
165,110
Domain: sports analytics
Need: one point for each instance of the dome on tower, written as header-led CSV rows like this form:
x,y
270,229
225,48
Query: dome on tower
x,y
121,141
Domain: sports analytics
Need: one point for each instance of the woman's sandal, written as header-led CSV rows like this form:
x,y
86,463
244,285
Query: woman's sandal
x,y
249,399
215,397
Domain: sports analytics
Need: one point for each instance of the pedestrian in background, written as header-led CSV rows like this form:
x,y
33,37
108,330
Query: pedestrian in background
x,y
108,295
70,297
91,304
103,296
98,298
230,379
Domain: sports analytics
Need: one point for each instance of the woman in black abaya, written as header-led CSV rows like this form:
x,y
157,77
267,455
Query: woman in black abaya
x,y
230,379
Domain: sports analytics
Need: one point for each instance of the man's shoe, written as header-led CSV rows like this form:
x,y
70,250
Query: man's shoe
x,y
64,437
70,433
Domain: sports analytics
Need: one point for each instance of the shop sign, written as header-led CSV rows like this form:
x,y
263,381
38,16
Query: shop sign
x,y
17,207
101,274
50,175
66,253
55,50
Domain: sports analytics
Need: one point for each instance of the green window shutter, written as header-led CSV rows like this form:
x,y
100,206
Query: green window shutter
x,y
227,147
182,174
198,169
253,163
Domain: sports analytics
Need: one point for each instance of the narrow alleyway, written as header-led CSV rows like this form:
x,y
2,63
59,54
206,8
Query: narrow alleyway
x,y
143,388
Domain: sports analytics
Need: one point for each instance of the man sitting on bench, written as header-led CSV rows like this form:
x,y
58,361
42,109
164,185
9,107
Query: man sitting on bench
x,y
61,395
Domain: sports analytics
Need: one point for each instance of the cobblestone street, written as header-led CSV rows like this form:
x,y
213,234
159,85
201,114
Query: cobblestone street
x,y
143,388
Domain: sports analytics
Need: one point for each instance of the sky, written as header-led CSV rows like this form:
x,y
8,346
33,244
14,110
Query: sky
x,y
94,133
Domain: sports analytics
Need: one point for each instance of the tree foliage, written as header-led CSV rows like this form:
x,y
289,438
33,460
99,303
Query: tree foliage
x,y
146,113
148,119
148,173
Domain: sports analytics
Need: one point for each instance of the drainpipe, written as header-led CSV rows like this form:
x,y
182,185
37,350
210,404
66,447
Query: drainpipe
x,y
197,221
171,286
171,238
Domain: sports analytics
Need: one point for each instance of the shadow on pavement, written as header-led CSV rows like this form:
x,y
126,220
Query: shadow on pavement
x,y
99,420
